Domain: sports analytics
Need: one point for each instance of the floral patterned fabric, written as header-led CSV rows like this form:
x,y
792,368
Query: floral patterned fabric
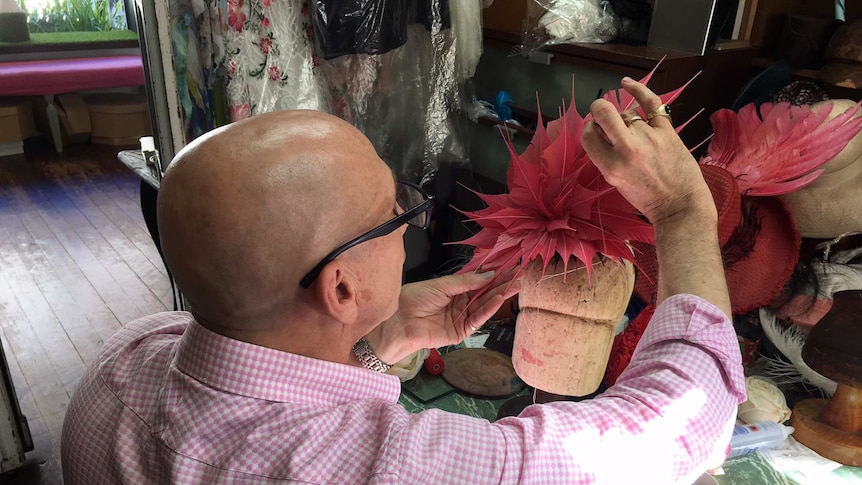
x,y
405,100
193,48
270,61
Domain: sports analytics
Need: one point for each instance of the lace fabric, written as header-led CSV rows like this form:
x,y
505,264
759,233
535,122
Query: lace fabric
x,y
270,58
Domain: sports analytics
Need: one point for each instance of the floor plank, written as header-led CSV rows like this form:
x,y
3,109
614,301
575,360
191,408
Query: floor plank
x,y
84,295
128,240
113,249
76,263
58,216
35,283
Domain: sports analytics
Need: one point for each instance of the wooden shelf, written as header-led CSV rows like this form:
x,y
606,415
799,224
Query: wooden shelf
x,y
723,72
526,117
517,132
834,92
763,63
639,57
635,56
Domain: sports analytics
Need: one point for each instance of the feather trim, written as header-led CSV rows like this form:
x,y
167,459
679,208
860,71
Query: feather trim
x,y
789,342
782,149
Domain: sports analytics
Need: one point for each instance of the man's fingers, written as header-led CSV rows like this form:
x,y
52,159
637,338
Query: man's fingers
x,y
480,314
647,100
504,282
507,288
606,116
456,284
596,144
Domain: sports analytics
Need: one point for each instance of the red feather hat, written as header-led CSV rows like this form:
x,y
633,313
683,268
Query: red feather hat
x,y
775,149
749,156
750,159
759,245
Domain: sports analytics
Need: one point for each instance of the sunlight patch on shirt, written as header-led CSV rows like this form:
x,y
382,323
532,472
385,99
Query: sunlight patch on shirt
x,y
615,457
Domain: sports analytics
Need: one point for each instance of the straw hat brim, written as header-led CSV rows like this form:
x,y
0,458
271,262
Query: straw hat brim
x,y
756,279
830,206
767,262
727,201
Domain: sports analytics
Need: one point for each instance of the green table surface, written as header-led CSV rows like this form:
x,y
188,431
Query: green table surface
x,y
426,392
754,469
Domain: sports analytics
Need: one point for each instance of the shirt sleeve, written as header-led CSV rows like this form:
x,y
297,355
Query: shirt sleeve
x,y
668,418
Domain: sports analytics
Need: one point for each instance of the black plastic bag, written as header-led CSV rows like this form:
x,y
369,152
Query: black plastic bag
x,y
360,26
636,16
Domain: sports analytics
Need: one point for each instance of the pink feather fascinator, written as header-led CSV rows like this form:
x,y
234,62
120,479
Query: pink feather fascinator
x,y
558,203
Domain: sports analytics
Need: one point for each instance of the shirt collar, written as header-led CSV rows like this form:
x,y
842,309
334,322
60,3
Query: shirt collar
x,y
263,373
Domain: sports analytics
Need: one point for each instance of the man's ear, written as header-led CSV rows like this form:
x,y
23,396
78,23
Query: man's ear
x,y
335,289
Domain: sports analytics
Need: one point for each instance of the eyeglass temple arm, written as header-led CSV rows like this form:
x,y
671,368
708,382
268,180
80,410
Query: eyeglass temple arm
x,y
378,231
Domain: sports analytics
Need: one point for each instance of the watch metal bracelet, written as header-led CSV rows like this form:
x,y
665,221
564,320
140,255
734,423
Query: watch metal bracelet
x,y
369,359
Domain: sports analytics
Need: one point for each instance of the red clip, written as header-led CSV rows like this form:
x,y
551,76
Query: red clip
x,y
434,362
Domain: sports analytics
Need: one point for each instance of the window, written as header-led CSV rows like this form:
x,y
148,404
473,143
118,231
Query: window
x,y
75,15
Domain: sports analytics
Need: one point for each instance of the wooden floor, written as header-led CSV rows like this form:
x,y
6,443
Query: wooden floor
x,y
76,263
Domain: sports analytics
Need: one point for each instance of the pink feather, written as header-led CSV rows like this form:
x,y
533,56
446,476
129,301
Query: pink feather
x,y
780,150
558,203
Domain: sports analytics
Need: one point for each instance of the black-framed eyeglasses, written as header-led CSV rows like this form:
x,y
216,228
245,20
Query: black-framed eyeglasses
x,y
417,207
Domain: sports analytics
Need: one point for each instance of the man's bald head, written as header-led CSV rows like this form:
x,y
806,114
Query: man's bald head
x,y
246,210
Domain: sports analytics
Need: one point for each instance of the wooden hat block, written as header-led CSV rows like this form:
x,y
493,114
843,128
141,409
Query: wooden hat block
x,y
833,428
565,328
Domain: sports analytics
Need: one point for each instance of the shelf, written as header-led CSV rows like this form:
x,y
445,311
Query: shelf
x,y
763,63
834,92
515,131
633,56
527,118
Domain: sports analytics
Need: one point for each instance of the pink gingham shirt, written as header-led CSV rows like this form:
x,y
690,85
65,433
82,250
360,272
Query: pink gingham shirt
x,y
168,401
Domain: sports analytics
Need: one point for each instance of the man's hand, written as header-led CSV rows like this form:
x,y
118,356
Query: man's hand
x,y
649,165
645,160
435,313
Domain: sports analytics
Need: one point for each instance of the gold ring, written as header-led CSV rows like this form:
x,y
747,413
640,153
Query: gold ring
x,y
634,118
475,329
663,110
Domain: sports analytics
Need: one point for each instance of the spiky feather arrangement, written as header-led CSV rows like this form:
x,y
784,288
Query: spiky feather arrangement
x,y
780,150
558,202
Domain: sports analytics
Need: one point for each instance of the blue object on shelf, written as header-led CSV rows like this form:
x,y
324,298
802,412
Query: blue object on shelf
x,y
501,105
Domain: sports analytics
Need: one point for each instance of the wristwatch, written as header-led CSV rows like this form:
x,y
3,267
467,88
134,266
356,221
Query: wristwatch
x,y
365,355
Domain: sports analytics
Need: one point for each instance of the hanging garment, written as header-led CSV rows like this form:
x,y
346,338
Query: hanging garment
x,y
346,27
360,26
270,59
406,100
467,28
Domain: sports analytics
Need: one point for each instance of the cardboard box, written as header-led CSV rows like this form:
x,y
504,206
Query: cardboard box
x,y
16,120
11,148
73,114
118,118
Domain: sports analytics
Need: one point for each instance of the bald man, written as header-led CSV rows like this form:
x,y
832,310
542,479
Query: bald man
x,y
285,233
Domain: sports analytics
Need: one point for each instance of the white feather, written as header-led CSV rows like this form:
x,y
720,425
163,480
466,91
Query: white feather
x,y
789,341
